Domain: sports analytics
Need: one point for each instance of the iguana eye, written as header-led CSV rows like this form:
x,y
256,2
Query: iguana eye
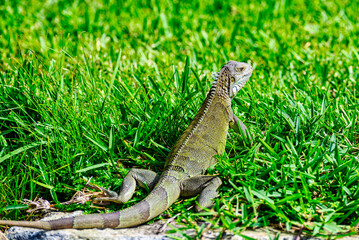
x,y
240,69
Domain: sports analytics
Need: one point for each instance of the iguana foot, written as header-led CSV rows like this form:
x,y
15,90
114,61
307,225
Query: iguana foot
x,y
144,178
204,185
106,191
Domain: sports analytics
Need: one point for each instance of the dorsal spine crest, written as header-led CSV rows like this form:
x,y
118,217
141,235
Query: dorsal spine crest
x,y
219,88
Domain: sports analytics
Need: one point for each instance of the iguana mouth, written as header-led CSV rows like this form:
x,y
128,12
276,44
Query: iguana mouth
x,y
239,84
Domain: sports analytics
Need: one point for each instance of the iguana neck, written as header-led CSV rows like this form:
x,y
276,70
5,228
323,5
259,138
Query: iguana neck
x,y
219,92
221,86
219,89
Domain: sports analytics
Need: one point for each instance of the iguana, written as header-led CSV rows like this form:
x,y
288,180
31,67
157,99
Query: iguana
x,y
185,166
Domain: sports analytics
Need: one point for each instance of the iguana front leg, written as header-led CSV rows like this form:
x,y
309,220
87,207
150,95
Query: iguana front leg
x,y
238,126
204,185
144,178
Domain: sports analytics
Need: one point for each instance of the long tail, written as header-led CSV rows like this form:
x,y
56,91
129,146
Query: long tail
x,y
159,199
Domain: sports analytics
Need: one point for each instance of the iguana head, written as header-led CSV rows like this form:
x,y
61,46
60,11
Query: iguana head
x,y
233,76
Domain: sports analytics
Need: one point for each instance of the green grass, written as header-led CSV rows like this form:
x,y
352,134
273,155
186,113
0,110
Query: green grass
x,y
91,90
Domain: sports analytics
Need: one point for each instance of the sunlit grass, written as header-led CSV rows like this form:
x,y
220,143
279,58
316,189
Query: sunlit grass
x,y
90,90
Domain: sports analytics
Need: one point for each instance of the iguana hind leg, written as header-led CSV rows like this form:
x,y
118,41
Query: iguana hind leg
x,y
144,178
204,185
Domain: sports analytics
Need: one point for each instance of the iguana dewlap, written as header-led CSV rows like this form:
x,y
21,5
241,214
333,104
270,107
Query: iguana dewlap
x,y
186,164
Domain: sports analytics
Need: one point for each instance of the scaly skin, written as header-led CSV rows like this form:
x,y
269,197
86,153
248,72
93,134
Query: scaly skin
x,y
188,160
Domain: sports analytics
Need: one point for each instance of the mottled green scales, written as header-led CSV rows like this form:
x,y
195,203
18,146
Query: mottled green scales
x,y
185,167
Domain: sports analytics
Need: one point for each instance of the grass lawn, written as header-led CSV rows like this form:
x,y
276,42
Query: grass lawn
x,y
89,90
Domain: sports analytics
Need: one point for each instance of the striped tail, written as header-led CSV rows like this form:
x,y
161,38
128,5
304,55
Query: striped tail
x,y
159,199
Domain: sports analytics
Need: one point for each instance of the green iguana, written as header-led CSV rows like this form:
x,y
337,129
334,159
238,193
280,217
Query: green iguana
x,y
185,166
